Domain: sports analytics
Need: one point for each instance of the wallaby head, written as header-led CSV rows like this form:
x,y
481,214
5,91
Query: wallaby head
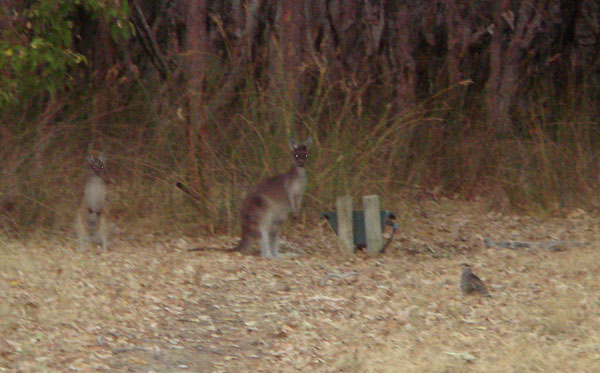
x,y
97,165
300,152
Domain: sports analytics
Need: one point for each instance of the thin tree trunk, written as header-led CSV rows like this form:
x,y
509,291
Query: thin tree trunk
x,y
401,50
455,28
196,43
286,52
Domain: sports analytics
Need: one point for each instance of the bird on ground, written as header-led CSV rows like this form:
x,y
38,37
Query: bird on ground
x,y
470,283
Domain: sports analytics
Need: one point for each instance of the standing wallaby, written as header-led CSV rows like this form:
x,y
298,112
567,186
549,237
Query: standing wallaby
x,y
267,206
92,220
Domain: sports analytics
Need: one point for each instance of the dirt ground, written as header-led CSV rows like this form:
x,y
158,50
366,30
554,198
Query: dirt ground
x,y
150,305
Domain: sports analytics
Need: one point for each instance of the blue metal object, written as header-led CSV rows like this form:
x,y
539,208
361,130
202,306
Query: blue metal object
x,y
358,224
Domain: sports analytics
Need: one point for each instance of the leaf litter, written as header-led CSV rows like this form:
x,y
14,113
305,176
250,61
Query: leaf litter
x,y
149,304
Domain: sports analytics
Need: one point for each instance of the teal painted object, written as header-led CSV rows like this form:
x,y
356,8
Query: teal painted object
x,y
358,224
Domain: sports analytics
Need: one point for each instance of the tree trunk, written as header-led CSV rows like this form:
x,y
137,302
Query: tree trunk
x,y
569,10
196,44
401,50
286,58
505,59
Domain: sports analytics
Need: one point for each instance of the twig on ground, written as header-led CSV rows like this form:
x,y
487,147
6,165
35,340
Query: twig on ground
x,y
211,350
116,351
552,245
335,275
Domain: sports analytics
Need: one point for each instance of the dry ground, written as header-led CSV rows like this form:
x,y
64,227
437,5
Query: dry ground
x,y
150,305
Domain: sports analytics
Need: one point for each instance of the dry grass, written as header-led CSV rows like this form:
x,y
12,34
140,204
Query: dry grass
x,y
357,150
150,305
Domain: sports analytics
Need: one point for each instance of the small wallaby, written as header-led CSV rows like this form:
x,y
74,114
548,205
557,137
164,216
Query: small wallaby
x,y
92,220
267,206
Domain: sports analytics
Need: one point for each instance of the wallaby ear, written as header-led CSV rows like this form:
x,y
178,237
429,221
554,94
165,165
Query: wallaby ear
x,y
293,144
90,159
308,141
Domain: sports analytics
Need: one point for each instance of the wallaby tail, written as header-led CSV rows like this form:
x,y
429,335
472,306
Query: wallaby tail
x,y
243,246
227,250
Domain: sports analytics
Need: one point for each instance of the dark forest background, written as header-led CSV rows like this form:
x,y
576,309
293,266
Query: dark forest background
x,y
497,100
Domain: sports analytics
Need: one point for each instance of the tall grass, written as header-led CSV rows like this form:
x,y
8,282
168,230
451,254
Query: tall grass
x,y
360,147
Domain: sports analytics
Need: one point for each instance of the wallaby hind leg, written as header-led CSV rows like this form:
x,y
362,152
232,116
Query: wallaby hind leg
x,y
82,243
250,230
265,244
274,240
80,230
245,244
250,235
105,243
103,232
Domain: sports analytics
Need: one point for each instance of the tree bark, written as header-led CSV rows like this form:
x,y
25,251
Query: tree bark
x,y
196,44
245,29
